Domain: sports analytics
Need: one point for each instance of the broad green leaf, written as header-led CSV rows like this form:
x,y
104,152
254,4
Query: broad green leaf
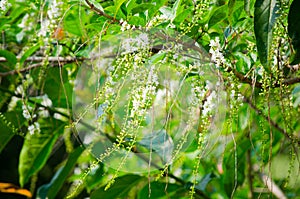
x,y
157,57
154,10
29,52
175,9
183,15
130,4
36,150
142,8
294,29
231,4
120,188
55,87
51,189
117,6
10,58
72,24
97,5
218,15
264,20
137,21
8,121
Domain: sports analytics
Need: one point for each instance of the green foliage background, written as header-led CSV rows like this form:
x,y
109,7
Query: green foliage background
x,y
260,44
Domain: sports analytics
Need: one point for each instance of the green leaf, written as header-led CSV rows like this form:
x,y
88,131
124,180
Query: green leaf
x,y
247,7
51,189
55,87
160,189
183,15
294,30
117,6
264,20
231,4
29,52
120,188
36,150
7,121
157,57
137,21
218,15
175,9
10,58
97,5
234,164
142,8
72,24
154,10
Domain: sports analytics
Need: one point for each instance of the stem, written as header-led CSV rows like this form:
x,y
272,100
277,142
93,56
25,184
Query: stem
x,y
271,122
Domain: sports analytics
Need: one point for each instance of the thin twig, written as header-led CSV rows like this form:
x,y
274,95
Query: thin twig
x,y
273,188
272,123
52,60
100,12
249,175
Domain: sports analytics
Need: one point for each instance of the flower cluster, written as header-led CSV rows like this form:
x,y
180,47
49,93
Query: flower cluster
x,y
216,52
142,95
209,104
156,20
4,5
125,25
34,128
141,41
26,25
48,24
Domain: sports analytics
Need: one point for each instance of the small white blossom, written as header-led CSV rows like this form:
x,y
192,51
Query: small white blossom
x,y
209,104
125,25
215,51
26,113
46,101
4,5
20,90
142,40
34,128
54,10
44,28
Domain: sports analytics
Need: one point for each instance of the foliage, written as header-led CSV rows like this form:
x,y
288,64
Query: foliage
x,y
156,98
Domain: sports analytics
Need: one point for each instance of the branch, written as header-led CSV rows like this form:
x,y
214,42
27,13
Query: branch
x,y
60,60
100,12
274,124
273,188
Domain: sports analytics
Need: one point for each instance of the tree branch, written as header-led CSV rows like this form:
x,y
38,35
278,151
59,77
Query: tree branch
x,y
100,12
272,123
60,60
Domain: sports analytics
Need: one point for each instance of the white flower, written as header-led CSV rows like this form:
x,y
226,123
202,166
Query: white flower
x,y
142,40
46,101
4,5
19,90
215,51
44,28
34,128
125,25
54,10
26,113
209,104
